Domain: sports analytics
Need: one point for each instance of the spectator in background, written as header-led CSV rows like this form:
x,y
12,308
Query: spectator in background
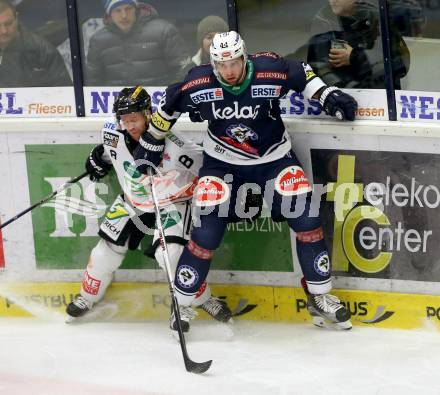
x,y
346,49
26,59
135,47
408,16
206,30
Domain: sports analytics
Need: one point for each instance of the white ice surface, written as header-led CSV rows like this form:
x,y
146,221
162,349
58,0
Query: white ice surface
x,y
49,357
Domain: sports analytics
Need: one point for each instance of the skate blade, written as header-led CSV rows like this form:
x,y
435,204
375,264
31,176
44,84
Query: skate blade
x,y
99,312
323,323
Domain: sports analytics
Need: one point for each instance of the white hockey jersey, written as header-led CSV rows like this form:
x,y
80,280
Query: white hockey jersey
x,y
176,178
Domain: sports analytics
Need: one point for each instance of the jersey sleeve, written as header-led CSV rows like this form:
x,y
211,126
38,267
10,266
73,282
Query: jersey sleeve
x,y
177,100
301,78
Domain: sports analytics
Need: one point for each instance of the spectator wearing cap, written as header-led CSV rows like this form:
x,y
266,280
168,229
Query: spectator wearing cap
x,y
26,59
206,30
135,47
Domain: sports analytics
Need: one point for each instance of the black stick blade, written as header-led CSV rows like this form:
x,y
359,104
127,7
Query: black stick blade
x,y
197,367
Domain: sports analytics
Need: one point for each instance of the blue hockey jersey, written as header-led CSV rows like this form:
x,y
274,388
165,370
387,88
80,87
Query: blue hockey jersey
x,y
244,122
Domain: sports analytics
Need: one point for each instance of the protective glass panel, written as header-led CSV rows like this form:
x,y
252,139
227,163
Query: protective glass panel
x,y
418,21
340,39
152,44
32,53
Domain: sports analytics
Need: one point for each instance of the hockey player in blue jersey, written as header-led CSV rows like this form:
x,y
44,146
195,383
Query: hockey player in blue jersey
x,y
246,142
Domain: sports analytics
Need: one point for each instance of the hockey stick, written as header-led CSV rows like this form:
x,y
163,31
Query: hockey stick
x,y
53,194
191,366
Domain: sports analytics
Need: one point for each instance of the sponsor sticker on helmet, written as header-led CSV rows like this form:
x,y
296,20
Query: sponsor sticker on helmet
x,y
211,191
292,181
322,264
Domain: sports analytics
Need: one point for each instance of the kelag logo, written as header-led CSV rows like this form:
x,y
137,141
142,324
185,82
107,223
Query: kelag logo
x,y
376,212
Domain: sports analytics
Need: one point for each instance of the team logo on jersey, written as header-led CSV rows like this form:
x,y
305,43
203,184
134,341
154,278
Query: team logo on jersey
x,y
211,191
271,75
187,276
207,95
198,81
265,90
238,136
245,112
110,139
322,264
292,181
309,71
131,170
170,218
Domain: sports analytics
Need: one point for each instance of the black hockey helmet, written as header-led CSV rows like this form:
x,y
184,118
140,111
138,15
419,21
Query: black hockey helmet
x,y
131,100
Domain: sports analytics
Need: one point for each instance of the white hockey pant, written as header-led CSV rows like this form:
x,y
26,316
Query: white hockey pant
x,y
106,257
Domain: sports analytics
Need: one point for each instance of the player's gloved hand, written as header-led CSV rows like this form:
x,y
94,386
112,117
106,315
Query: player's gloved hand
x,y
95,165
338,104
148,152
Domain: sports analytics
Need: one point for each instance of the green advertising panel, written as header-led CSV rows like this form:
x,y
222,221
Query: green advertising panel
x,y
63,239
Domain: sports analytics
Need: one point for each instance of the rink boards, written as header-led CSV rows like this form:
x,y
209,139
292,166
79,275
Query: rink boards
x,y
382,226
148,301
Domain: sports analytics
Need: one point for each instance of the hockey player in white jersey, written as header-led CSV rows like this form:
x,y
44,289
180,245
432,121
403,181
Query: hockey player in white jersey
x,y
131,215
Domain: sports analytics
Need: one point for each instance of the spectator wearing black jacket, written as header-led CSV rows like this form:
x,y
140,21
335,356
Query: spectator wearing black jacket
x,y
346,48
27,60
135,47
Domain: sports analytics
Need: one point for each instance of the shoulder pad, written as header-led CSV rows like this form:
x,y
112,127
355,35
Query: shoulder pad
x,y
197,77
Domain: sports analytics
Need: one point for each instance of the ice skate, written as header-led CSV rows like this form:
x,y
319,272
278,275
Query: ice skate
x,y
86,311
217,309
78,308
327,311
186,315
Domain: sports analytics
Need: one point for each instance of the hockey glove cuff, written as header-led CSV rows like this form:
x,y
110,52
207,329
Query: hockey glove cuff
x,y
338,104
95,165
